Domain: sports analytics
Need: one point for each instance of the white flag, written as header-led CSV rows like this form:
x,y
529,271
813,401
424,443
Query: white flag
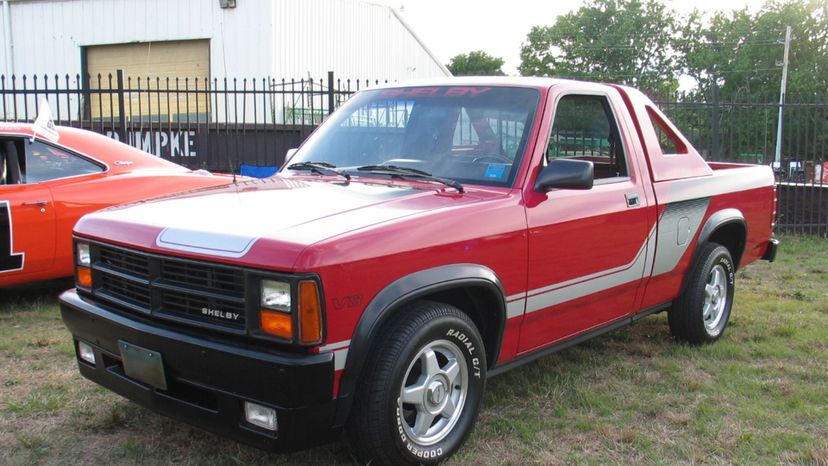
x,y
43,124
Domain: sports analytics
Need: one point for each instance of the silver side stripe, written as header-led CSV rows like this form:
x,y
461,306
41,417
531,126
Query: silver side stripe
x,y
516,296
676,227
558,293
339,359
340,351
595,275
515,308
335,345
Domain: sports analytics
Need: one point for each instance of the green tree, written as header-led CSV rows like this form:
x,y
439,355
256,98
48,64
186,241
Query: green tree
x,y
739,51
624,41
476,63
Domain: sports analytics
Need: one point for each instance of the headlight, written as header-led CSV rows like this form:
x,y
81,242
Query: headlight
x,y
275,295
274,313
83,254
83,270
299,322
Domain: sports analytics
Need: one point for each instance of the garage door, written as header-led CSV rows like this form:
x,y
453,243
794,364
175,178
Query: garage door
x,y
150,72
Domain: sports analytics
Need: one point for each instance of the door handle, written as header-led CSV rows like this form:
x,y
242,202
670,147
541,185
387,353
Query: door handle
x,y
632,199
37,203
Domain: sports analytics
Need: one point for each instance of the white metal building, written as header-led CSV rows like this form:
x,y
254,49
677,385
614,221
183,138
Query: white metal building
x,y
215,38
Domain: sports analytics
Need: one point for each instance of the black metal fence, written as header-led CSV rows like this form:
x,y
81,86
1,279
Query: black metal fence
x,y
744,130
219,124
216,124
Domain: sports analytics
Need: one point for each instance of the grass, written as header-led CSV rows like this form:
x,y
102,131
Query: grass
x,y
758,396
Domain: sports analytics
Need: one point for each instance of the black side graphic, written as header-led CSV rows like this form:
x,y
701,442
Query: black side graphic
x,y
8,260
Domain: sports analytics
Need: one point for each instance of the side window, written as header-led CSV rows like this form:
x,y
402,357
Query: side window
x,y
10,161
585,129
45,162
667,140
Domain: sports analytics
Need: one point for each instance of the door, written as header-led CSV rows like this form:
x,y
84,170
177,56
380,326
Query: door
x,y
27,217
177,66
587,248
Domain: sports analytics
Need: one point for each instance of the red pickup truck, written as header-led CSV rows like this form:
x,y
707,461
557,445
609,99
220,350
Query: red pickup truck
x,y
424,238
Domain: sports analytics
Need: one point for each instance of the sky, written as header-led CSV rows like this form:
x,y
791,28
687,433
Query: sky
x,y
498,27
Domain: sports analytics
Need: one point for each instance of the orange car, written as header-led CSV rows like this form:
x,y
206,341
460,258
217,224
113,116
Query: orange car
x,y
51,176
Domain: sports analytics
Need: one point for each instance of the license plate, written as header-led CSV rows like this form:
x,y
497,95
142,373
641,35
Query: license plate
x,y
143,364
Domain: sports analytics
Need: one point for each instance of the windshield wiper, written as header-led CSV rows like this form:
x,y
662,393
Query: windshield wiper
x,y
396,171
322,168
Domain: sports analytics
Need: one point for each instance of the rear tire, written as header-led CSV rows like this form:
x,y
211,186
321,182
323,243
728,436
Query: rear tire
x,y
419,396
701,313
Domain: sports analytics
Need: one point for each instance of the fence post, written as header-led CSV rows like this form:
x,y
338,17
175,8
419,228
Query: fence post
x,y
330,92
122,136
715,127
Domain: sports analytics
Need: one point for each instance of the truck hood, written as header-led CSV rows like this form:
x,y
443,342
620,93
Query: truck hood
x,y
264,222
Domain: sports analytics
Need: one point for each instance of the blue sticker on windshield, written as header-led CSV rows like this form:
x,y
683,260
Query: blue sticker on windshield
x,y
495,170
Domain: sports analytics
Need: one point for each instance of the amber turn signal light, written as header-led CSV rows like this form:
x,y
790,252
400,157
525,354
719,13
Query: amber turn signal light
x,y
84,276
310,313
276,323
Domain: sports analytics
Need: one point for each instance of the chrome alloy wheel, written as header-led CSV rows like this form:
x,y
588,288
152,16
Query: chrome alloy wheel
x,y
715,297
433,392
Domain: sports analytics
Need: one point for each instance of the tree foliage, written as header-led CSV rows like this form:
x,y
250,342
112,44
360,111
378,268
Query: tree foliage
x,y
644,44
476,63
739,54
739,51
624,41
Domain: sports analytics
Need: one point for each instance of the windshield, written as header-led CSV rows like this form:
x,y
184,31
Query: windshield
x,y
468,134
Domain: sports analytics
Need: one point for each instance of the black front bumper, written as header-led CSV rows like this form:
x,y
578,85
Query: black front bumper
x,y
209,379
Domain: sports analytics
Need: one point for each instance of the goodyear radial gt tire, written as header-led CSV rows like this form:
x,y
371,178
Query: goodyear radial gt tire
x,y
419,396
701,313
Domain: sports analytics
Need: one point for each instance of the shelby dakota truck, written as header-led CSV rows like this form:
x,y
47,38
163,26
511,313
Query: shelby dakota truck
x,y
424,238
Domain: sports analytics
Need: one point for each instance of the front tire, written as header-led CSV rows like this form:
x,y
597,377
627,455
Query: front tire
x,y
701,313
420,394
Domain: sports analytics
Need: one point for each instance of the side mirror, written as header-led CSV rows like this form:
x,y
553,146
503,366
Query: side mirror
x,y
565,174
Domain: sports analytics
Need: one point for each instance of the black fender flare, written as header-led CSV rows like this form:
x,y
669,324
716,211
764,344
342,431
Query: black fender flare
x,y
397,293
719,219
713,223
